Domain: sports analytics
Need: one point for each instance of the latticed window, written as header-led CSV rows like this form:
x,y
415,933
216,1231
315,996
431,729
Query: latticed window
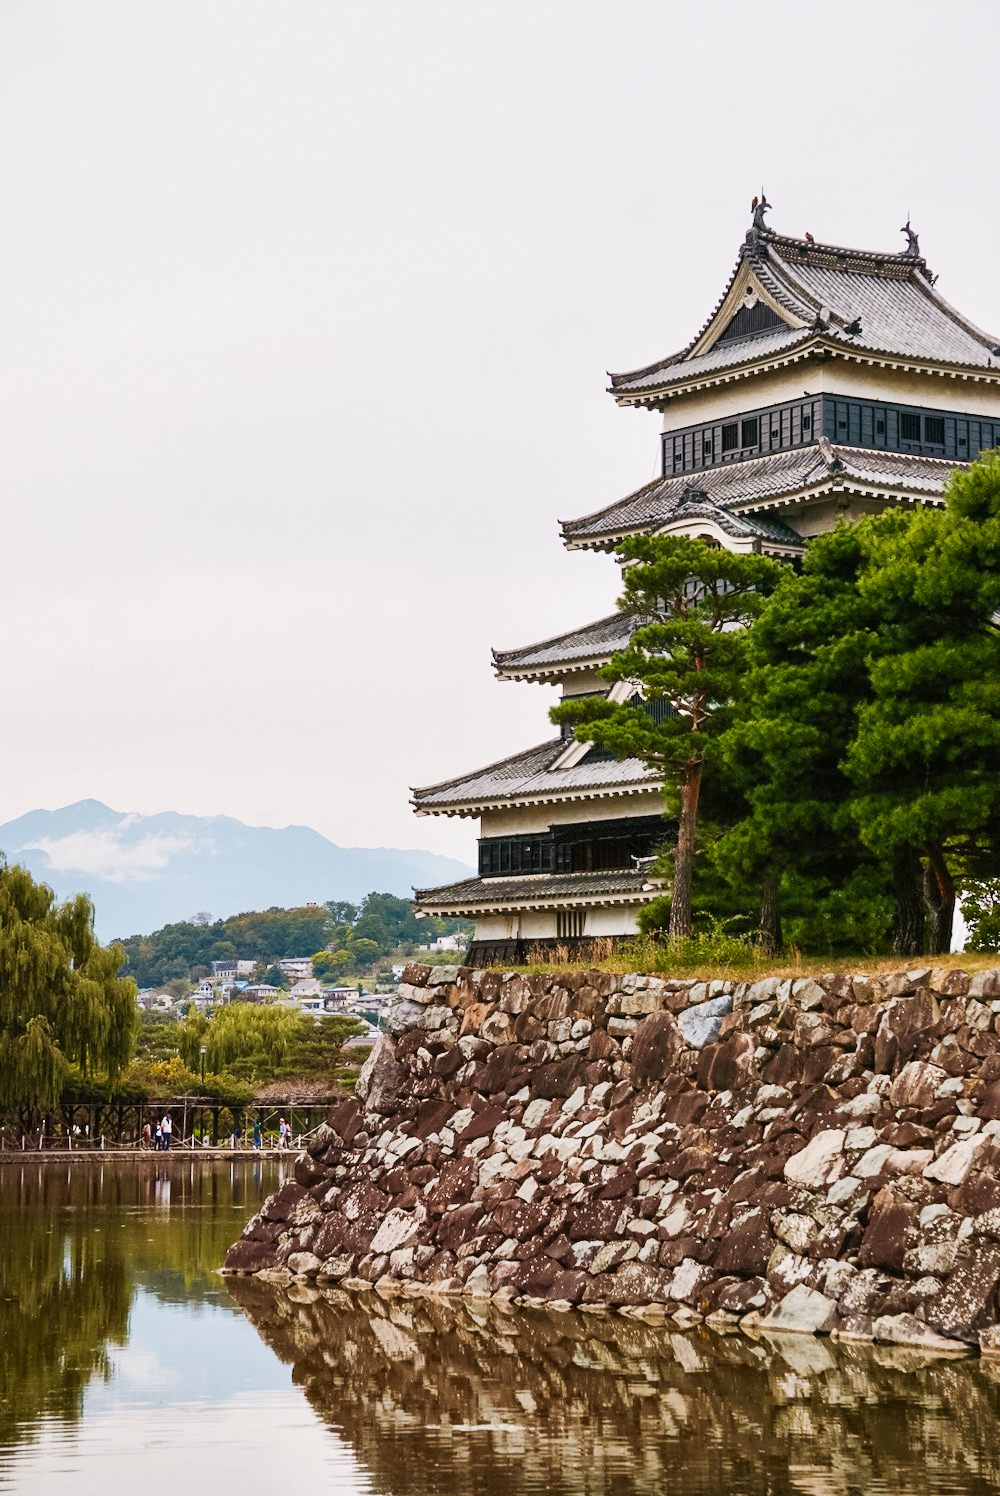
x,y
570,923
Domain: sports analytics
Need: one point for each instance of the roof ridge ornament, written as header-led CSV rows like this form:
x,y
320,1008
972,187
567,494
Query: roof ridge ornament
x,y
912,242
826,451
758,208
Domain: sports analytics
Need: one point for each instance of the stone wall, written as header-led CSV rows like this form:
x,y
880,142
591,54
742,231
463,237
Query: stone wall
x,y
819,1155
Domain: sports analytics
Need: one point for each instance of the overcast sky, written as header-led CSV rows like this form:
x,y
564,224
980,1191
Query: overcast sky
x,y
306,312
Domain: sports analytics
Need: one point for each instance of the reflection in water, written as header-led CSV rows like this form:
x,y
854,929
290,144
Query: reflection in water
x,y
125,1362
77,1241
447,1396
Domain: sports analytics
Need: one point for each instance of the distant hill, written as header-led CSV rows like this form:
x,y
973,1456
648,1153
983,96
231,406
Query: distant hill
x,y
143,872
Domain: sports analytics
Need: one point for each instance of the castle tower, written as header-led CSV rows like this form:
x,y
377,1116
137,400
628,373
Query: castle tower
x,y
827,384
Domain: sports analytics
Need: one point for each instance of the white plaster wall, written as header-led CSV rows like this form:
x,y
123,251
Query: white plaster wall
x,y
540,924
517,821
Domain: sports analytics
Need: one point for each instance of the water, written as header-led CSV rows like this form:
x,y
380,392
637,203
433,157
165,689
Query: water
x,y
127,1363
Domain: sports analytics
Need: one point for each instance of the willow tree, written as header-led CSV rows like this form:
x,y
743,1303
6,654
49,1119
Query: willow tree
x,y
695,601
61,999
244,1039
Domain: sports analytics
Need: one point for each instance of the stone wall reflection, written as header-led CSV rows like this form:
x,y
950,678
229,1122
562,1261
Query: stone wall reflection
x,y
457,1396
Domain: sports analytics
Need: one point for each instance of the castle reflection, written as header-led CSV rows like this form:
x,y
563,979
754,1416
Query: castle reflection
x,y
462,1396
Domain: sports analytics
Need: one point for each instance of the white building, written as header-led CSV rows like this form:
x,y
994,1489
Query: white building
x,y
296,968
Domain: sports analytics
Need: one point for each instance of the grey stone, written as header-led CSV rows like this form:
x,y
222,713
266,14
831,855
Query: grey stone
x,y
803,1311
700,1025
904,1329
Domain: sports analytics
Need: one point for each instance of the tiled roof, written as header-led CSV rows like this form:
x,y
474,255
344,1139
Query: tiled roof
x,y
827,288
594,643
537,890
529,777
741,486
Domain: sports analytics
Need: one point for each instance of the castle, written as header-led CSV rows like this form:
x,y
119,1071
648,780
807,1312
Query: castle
x,y
826,384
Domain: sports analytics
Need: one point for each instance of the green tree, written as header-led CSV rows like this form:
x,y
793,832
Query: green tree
x,y
341,912
61,1000
926,758
318,1049
364,952
796,839
696,601
248,1040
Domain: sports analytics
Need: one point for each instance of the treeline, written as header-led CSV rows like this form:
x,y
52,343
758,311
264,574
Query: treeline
x,y
833,760
359,935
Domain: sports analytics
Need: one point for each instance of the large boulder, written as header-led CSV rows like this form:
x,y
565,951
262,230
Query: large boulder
x,y
700,1025
655,1047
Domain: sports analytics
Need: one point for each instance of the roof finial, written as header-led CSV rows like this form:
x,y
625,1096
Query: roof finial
x,y
912,242
760,206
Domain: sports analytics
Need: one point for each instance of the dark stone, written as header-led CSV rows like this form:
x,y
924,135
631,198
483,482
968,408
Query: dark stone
x,y
519,1219
640,1283
280,1206
415,974
457,1225
449,1063
328,1240
483,1123
505,1071
727,1066
559,1248
747,1245
602,1046
979,1193
457,1180
250,1256
987,1101
557,1079
623,1183
884,1241
656,1044
346,1119
307,1172
595,1221
785,1069
673,1253
569,1285
967,1303
817,1063
688,1107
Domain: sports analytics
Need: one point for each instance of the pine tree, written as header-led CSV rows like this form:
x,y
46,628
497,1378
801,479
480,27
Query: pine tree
x,y
695,601
926,758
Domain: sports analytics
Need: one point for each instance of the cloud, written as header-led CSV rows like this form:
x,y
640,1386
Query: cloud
x,y
101,854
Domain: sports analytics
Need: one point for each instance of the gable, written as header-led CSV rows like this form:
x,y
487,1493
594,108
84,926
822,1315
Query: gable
x,y
754,317
748,308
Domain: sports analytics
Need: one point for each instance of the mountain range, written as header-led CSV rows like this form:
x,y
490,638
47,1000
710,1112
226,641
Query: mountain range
x,y
143,872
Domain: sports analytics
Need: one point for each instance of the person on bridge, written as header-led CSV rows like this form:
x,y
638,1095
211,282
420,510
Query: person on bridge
x,y
166,1128
256,1134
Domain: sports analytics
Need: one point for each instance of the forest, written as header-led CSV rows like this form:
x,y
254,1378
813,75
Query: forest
x,y
358,934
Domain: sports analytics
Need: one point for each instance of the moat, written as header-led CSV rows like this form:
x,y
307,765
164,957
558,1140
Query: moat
x,y
127,1362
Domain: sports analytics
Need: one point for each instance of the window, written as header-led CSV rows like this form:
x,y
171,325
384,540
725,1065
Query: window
x,y
570,923
807,423
706,447
880,428
750,433
909,427
730,437
934,430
